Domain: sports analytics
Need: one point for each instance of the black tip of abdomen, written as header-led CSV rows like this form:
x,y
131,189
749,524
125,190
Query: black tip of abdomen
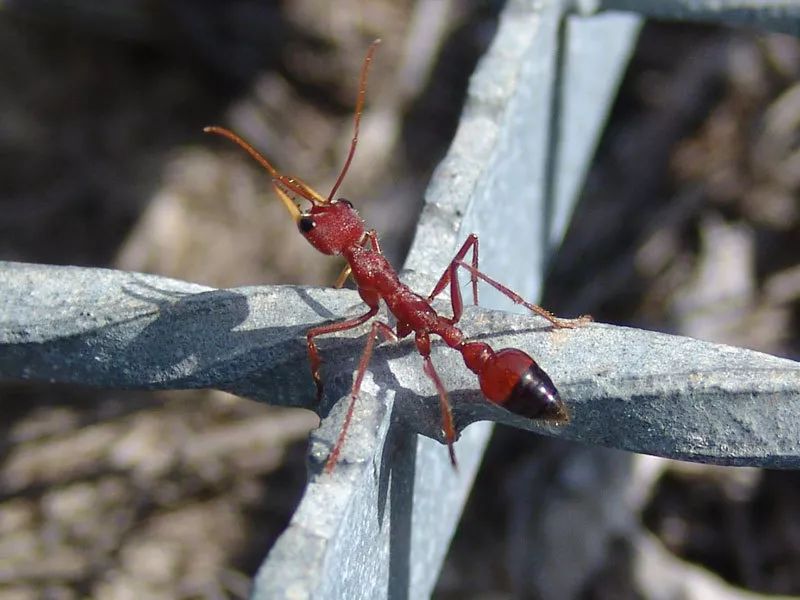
x,y
536,397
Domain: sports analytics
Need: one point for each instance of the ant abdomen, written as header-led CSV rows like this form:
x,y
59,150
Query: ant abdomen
x,y
513,380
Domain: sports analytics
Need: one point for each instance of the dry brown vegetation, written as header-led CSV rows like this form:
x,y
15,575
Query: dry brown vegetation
x,y
690,224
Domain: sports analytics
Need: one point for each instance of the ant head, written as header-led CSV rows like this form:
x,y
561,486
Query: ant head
x,y
331,226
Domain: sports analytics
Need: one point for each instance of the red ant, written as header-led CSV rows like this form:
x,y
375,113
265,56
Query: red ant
x,y
508,377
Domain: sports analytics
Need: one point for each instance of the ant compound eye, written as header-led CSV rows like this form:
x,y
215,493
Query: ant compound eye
x,y
343,201
306,224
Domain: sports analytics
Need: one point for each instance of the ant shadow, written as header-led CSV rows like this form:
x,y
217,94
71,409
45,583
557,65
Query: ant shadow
x,y
203,340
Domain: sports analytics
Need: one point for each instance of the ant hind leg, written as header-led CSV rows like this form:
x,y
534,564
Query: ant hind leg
x,y
448,426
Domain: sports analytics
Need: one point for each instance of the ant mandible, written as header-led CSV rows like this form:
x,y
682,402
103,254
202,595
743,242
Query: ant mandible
x,y
507,377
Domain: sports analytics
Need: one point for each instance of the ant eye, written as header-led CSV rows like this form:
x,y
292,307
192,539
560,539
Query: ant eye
x,y
343,201
306,224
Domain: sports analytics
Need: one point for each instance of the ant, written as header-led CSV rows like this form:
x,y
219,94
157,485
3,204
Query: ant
x,y
507,377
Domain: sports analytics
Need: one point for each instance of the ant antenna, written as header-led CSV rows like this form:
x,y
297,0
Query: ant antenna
x,y
290,183
362,92
246,146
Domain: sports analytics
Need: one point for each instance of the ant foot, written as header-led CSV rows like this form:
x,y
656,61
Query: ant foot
x,y
452,453
570,323
318,384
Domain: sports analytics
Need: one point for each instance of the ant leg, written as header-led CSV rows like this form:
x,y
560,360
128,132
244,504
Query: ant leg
x,y
389,335
450,276
447,276
313,352
517,299
370,236
448,427
342,278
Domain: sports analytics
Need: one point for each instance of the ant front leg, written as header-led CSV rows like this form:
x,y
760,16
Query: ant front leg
x,y
372,237
389,335
313,352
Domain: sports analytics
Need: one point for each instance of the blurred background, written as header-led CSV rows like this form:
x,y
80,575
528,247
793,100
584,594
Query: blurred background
x,y
689,223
